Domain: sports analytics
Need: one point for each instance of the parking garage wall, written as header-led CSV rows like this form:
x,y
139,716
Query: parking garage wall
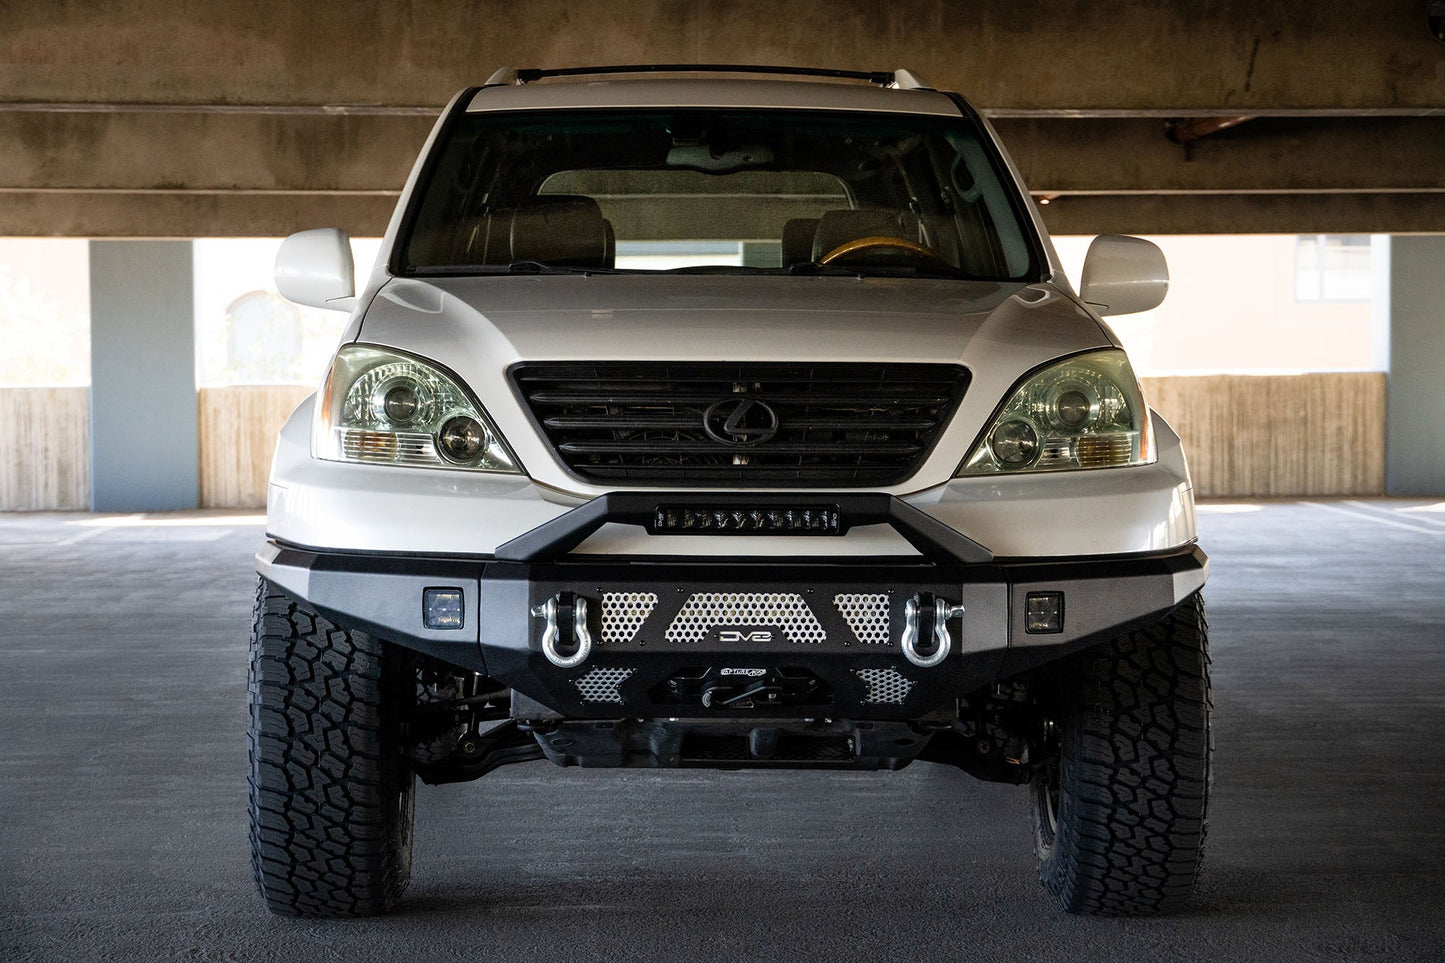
x,y
44,448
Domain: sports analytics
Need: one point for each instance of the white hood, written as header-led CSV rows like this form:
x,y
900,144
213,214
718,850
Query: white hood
x,y
479,326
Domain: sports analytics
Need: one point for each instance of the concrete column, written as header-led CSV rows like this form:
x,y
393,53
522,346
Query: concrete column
x,y
1415,429
143,424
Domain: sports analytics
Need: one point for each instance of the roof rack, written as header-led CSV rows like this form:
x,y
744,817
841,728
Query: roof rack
x,y
891,78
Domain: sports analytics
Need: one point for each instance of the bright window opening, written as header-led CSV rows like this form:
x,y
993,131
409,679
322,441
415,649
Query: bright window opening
x,y
44,312
1237,304
1332,267
246,333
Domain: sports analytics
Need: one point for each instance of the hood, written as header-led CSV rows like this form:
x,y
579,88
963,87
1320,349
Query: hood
x,y
479,326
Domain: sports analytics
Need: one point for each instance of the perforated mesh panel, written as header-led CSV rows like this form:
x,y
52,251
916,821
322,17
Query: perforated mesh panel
x,y
705,610
867,616
601,685
623,614
885,686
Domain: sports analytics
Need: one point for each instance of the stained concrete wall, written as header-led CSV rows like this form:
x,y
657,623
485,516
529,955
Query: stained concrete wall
x,y
44,448
149,118
1178,55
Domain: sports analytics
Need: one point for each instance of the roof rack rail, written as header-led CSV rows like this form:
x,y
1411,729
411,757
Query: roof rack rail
x,y
884,78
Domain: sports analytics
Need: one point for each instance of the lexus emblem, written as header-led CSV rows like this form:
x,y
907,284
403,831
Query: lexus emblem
x,y
740,422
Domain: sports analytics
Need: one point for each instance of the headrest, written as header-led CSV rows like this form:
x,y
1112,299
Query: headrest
x,y
836,228
567,230
798,240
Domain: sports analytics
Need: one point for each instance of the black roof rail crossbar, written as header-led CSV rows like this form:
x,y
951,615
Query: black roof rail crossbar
x,y
881,77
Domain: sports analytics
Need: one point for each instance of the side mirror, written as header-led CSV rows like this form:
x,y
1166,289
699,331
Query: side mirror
x,y
315,268
1124,275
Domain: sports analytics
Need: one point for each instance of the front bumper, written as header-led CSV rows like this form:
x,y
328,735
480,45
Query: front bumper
x,y
738,638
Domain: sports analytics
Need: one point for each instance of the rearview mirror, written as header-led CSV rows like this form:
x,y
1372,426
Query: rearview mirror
x,y
701,157
1123,275
315,268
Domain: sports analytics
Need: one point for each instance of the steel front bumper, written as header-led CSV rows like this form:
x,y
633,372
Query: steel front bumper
x,y
679,638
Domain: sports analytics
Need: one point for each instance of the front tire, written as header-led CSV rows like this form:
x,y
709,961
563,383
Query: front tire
x,y
330,794
1119,806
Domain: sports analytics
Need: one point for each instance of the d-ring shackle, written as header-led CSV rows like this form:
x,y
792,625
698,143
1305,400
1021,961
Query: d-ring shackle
x,y
943,642
553,632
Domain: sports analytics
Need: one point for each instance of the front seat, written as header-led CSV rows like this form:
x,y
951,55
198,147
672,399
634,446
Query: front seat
x,y
566,230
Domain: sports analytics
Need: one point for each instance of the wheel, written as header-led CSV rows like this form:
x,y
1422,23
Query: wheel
x,y
330,794
1119,805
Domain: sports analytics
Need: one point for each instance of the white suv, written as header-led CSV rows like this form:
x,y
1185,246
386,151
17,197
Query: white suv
x,y
714,421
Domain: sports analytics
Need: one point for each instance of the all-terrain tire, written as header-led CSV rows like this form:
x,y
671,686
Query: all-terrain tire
x,y
330,794
1119,811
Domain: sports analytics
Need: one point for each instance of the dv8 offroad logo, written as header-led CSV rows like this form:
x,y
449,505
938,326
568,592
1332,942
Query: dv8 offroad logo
x,y
733,635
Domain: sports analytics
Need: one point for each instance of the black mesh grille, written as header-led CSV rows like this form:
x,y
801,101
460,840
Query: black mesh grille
x,y
766,424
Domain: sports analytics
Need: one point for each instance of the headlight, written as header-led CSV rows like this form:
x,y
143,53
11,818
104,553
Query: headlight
x,y
386,408
1086,412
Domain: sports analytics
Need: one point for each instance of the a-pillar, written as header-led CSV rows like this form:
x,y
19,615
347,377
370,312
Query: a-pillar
x,y
143,423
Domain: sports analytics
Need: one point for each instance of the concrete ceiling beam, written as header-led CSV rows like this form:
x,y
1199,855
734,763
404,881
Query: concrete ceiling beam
x,y
1264,155
159,214
368,154
1248,214
1182,57
208,151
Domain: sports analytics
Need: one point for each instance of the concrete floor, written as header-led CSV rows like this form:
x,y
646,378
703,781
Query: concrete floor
x,y
122,787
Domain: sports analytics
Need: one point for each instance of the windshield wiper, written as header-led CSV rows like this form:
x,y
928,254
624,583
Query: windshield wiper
x,y
516,267
540,267
716,269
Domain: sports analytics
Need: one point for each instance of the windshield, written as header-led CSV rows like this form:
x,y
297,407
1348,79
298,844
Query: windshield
x,y
766,191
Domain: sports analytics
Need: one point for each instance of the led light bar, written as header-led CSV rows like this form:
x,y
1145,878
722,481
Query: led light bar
x,y
750,520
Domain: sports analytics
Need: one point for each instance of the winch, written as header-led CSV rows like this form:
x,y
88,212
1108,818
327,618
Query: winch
x,y
743,688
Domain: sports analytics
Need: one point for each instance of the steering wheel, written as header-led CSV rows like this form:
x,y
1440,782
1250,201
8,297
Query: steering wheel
x,y
880,241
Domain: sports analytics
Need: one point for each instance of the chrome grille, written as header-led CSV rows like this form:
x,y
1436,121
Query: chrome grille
x,y
818,425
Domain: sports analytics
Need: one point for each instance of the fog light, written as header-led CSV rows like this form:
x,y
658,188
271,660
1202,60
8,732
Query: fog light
x,y
1044,612
441,608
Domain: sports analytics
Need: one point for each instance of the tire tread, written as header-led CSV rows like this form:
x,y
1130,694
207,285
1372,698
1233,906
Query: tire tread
x,y
330,813
1135,771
